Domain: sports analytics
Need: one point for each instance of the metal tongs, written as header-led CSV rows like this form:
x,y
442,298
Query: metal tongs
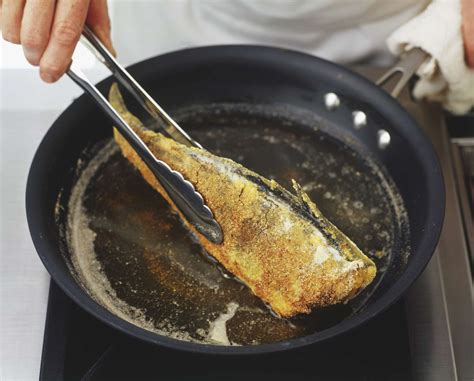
x,y
189,202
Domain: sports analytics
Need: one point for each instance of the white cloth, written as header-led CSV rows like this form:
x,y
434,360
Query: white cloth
x,y
446,77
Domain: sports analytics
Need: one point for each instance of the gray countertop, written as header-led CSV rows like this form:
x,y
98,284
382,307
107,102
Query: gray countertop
x,y
24,282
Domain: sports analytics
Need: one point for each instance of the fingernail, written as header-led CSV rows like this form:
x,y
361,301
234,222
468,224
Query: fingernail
x,y
11,37
113,51
32,56
48,78
104,36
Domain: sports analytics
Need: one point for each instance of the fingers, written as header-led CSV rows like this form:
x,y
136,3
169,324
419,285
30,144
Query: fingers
x,y
36,28
12,13
468,30
98,20
50,29
68,23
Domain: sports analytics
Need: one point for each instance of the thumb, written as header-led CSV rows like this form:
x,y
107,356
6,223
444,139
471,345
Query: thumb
x,y
99,21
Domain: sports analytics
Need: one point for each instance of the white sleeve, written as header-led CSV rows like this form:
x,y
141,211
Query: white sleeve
x,y
445,77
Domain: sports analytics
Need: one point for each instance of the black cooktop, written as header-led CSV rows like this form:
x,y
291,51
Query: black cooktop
x,y
77,346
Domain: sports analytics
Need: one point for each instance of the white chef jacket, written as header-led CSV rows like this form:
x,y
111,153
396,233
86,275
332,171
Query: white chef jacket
x,y
344,31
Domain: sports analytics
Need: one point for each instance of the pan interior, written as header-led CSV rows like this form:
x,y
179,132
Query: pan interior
x,y
134,257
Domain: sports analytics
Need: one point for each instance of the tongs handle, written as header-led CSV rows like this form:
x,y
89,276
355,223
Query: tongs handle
x,y
181,192
123,76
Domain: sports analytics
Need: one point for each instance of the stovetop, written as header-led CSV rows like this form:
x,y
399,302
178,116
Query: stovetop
x,y
425,336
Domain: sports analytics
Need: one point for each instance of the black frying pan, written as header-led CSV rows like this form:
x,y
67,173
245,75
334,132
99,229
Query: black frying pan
x,y
251,80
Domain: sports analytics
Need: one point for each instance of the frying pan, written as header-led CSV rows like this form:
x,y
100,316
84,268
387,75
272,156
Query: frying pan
x,y
254,75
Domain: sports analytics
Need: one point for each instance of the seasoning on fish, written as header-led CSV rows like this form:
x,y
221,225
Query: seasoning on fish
x,y
277,243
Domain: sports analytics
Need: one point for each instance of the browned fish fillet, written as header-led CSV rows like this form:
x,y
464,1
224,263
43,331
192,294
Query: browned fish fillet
x,y
277,243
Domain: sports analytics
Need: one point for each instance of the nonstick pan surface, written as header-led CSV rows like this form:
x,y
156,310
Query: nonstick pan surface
x,y
264,107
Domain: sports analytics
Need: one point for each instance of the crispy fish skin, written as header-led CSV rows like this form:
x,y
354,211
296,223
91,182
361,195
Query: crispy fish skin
x,y
278,244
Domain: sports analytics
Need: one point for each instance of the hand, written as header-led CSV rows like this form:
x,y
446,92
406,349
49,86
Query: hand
x,y
467,11
49,30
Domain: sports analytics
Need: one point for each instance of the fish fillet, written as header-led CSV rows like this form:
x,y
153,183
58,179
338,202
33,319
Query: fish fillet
x,y
278,243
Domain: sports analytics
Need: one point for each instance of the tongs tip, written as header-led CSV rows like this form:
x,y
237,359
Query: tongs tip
x,y
186,198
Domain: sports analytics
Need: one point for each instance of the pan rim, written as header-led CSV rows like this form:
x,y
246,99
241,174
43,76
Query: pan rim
x,y
427,244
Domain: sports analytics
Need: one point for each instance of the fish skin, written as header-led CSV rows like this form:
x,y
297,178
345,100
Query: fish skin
x,y
279,244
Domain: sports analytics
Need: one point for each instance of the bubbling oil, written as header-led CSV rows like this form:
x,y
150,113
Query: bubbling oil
x,y
134,256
